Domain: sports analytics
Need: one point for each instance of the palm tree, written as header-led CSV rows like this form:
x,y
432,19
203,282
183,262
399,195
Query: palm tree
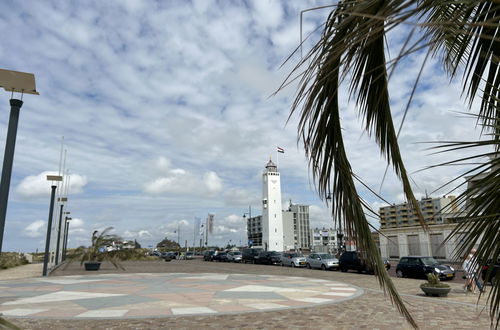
x,y
465,34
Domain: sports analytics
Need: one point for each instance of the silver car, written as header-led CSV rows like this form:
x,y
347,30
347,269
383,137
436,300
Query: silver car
x,y
234,256
293,259
322,261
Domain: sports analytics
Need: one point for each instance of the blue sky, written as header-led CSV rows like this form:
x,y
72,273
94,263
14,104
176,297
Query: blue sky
x,y
166,113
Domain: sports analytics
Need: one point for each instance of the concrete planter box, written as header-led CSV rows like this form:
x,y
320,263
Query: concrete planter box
x,y
92,265
435,291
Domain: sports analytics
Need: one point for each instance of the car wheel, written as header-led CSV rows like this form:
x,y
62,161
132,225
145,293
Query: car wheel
x,y
399,273
323,267
493,280
293,265
342,269
308,266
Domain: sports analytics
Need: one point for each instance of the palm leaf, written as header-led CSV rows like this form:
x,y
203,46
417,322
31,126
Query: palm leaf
x,y
352,46
8,325
350,41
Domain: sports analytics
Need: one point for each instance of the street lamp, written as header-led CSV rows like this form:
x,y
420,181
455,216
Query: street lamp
x,y
49,224
66,229
340,234
62,200
249,217
12,81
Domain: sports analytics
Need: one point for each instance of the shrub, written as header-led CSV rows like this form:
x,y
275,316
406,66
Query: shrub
x,y
12,259
434,282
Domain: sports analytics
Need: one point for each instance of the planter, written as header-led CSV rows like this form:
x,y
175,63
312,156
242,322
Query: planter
x,y
435,291
92,265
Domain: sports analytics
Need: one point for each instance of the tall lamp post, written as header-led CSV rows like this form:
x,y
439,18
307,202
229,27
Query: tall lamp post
x,y
12,81
49,224
249,217
65,241
62,200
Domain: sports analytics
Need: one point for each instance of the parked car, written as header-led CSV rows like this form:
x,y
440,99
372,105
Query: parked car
x,y
492,276
234,256
189,255
419,267
168,255
155,253
268,258
293,259
353,260
208,255
220,256
250,254
323,261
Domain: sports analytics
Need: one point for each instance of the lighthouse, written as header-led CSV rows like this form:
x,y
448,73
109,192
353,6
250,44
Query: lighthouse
x,y
272,219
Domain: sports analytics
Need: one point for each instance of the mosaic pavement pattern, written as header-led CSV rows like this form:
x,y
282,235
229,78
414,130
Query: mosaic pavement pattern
x,y
162,295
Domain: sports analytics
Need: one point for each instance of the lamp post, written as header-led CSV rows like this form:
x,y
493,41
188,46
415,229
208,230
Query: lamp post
x,y
62,200
12,81
49,224
249,217
66,228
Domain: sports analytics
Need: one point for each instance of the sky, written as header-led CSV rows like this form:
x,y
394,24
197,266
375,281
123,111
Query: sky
x,y
168,113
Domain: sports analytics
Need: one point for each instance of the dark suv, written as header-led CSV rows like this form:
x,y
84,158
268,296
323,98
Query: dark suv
x,y
419,267
350,260
208,255
250,254
268,258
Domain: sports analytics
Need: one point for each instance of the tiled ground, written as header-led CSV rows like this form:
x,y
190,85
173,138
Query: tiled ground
x,y
162,295
371,310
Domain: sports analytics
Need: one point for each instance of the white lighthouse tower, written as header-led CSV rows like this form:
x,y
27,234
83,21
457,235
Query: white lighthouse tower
x,y
272,220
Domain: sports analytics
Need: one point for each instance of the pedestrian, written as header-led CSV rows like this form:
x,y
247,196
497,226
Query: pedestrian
x,y
471,267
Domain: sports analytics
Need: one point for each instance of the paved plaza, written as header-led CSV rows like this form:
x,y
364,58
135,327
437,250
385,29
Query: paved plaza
x,y
163,295
193,294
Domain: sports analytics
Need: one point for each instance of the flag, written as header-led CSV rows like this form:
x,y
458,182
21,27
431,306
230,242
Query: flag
x,y
210,223
281,150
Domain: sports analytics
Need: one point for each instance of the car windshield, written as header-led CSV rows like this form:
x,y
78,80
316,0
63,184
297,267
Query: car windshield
x,y
275,254
429,261
236,253
325,256
296,255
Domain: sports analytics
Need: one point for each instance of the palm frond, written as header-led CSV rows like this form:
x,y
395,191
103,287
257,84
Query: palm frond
x,y
468,35
349,41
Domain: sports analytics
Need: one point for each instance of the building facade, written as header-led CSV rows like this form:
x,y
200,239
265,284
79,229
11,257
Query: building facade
x,y
296,232
272,220
254,231
402,235
324,240
403,215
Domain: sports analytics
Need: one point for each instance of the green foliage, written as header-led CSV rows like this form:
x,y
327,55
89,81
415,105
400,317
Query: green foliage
x,y
8,325
12,259
132,254
93,253
351,56
434,282
166,245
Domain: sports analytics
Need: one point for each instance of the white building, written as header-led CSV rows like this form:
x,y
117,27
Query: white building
x,y
272,220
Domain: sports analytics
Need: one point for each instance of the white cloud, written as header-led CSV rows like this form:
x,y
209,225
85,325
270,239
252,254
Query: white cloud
x,y
38,186
76,223
35,229
165,109
212,182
